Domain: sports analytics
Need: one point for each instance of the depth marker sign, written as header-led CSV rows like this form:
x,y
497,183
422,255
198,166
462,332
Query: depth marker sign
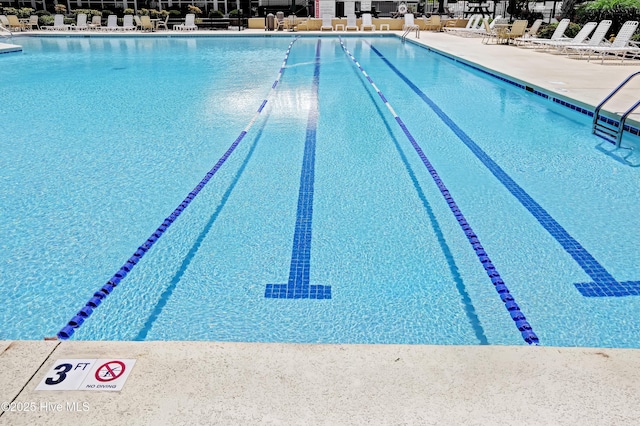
x,y
87,374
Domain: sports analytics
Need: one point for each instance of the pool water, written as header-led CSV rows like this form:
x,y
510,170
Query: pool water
x,y
105,136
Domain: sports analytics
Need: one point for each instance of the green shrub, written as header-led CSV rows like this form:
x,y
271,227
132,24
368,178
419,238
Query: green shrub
x,y
130,11
547,30
618,11
215,14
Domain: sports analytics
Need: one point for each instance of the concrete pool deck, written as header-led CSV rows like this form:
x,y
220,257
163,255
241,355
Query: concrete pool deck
x,y
254,383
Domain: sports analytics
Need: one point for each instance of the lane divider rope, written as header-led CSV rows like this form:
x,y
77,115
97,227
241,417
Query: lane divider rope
x,y
507,298
67,331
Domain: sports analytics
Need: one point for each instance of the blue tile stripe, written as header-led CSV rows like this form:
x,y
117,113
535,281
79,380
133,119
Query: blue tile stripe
x,y
298,286
518,317
67,331
602,279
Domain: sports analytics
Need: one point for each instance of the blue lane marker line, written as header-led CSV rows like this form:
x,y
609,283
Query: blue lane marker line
x,y
518,317
67,331
298,286
604,284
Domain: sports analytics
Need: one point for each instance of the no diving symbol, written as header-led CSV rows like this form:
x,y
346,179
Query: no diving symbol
x,y
110,371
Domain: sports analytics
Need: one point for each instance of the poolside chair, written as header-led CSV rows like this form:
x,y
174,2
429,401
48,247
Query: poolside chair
x,y
558,34
472,26
58,24
96,22
146,24
4,21
517,30
188,25
409,23
33,22
596,39
14,23
127,23
622,47
489,33
112,24
530,34
366,22
163,24
352,23
280,22
81,22
579,38
326,23
432,23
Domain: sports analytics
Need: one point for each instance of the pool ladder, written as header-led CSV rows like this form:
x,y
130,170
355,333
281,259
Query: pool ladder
x,y
409,30
607,128
4,32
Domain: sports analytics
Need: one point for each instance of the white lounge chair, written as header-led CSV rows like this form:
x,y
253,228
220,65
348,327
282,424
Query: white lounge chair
x,y
622,47
596,39
127,23
326,23
352,23
112,24
579,38
81,22
58,24
558,34
188,25
472,26
366,22
4,21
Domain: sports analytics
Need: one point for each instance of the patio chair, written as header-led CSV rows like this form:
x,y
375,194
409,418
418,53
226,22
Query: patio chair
x,y
33,22
14,23
558,34
579,38
622,47
188,25
432,23
409,23
127,23
163,24
96,22
4,21
517,30
326,23
352,23
58,24
112,24
596,39
280,22
81,22
366,22
489,33
471,26
146,24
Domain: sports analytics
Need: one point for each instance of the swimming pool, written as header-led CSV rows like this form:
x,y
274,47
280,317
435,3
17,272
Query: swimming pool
x,y
325,165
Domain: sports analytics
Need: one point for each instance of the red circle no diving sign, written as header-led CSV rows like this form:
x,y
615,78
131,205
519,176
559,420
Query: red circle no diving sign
x,y
110,371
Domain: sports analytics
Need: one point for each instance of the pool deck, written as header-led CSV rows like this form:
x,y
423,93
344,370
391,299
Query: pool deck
x,y
256,383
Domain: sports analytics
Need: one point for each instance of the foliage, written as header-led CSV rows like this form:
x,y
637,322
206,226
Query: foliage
x,y
89,12
175,13
216,14
130,11
46,20
547,30
195,10
234,13
60,8
618,11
